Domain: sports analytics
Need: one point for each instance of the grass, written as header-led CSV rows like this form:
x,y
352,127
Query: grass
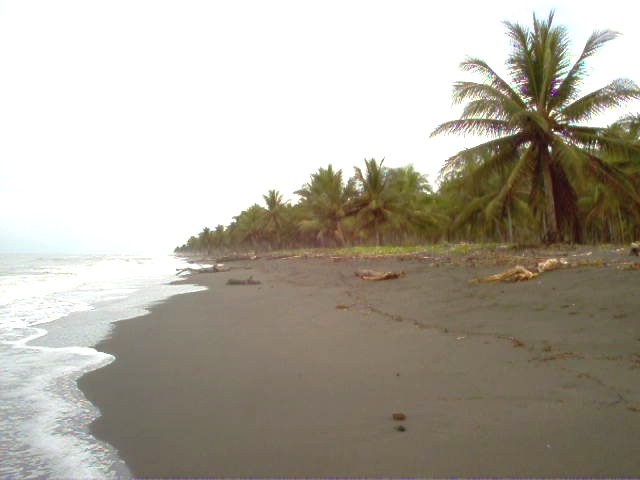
x,y
441,249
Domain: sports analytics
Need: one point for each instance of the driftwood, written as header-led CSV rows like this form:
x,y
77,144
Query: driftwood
x,y
218,267
520,273
374,275
237,257
248,281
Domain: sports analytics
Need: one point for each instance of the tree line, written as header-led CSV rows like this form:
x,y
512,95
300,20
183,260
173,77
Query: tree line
x,y
544,175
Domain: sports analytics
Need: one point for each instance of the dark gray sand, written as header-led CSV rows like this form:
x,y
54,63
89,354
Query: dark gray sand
x,y
539,378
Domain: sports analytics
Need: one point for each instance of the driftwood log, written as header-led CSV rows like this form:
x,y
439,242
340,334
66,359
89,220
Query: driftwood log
x,y
374,275
520,273
218,267
234,257
248,281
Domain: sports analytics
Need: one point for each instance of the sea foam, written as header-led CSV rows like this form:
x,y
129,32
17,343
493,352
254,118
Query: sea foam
x,y
52,311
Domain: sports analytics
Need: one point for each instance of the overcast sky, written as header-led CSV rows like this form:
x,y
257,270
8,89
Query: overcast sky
x,y
127,126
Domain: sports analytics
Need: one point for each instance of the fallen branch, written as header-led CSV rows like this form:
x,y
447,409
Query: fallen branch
x,y
218,267
237,257
374,275
520,273
248,281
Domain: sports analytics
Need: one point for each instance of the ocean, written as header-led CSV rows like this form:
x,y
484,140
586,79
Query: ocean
x,y
53,310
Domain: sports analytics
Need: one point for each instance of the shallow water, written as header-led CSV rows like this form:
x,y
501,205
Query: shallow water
x,y
53,309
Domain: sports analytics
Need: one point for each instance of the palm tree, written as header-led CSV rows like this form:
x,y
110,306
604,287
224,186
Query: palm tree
x,y
413,197
248,227
219,236
325,199
607,215
473,211
274,214
205,239
377,204
535,120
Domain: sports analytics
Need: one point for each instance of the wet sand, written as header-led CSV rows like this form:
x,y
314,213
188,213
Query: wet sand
x,y
299,376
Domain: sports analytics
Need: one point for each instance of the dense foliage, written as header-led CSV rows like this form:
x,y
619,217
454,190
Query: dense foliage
x,y
543,176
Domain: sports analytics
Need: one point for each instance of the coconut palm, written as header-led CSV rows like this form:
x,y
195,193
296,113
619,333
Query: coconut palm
x,y
325,199
535,120
274,216
205,240
248,227
607,215
219,236
377,204
413,197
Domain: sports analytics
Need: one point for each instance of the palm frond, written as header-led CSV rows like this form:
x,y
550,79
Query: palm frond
x,y
595,138
497,162
521,61
617,180
485,150
520,170
474,126
473,207
549,46
616,94
476,65
568,88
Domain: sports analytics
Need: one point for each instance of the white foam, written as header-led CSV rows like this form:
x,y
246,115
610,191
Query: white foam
x,y
48,324
47,434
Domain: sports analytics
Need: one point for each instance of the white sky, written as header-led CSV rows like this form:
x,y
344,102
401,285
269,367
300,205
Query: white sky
x,y
129,125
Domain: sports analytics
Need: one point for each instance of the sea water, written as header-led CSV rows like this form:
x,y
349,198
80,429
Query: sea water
x,y
53,309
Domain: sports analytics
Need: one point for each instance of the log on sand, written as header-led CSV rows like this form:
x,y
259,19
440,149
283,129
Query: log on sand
x,y
374,275
248,281
218,267
520,273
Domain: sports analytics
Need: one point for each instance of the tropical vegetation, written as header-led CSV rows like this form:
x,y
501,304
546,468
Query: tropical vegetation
x,y
541,173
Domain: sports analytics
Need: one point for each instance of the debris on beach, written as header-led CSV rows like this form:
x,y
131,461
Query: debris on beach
x,y
342,306
635,249
234,257
375,275
630,266
218,267
520,273
399,416
401,428
248,281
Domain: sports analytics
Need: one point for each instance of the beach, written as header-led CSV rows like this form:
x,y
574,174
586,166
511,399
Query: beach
x,y
300,374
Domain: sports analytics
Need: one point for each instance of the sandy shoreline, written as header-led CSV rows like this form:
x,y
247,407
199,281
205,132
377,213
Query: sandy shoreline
x,y
274,380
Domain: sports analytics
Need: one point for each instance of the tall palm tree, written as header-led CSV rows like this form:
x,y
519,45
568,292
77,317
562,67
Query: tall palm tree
x,y
325,200
412,195
274,216
377,204
205,239
248,227
535,120
219,236
602,205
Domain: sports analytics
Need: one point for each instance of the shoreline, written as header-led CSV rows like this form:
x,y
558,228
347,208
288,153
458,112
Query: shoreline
x,y
275,380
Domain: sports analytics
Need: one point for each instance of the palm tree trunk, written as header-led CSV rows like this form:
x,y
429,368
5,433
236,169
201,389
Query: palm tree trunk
x,y
340,235
552,234
509,224
376,232
621,222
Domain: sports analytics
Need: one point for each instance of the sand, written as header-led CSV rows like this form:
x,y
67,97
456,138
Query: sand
x,y
539,378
